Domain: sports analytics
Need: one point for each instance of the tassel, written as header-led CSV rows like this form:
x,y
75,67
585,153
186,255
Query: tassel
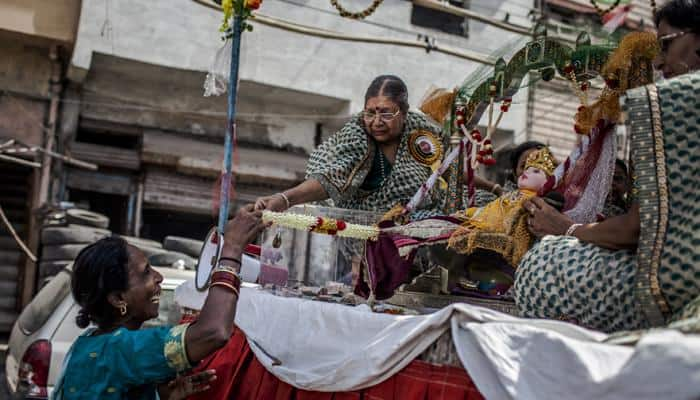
x,y
437,103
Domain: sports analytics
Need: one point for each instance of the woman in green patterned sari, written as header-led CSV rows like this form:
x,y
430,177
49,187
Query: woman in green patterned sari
x,y
638,269
377,160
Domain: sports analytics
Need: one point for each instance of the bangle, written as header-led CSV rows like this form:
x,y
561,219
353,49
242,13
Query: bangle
x,y
236,260
230,282
228,286
286,199
227,270
226,277
495,187
572,229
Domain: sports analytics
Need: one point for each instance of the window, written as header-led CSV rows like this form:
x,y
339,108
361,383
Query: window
x,y
442,21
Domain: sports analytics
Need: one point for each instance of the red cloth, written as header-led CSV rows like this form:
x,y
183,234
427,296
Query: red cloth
x,y
241,376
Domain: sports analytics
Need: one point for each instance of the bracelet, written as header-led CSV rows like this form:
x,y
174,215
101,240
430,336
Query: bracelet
x,y
495,187
572,229
228,286
226,277
236,260
227,270
286,199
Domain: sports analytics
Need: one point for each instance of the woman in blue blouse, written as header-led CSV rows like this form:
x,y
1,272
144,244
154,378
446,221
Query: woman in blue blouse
x,y
118,291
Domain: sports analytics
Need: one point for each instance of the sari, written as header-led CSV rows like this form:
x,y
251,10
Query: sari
x,y
122,364
562,277
346,165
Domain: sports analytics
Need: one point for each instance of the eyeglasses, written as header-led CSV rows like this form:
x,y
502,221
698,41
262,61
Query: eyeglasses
x,y
369,115
666,40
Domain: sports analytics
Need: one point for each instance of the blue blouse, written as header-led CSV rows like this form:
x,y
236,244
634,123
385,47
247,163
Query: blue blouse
x,y
123,364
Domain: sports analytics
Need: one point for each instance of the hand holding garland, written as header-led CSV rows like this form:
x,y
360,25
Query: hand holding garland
x,y
214,326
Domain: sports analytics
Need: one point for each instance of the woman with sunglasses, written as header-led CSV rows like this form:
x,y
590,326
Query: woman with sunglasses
x,y
377,160
611,275
678,30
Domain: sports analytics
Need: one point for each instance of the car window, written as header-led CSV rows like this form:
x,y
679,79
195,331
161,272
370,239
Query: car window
x,y
35,315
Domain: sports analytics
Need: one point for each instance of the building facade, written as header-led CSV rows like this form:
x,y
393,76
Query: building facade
x,y
35,48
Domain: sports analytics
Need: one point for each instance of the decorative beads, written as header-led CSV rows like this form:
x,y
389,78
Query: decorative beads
x,y
356,15
602,12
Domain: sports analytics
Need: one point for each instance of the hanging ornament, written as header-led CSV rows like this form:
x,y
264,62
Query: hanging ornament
x,y
505,104
356,15
277,240
602,11
476,135
579,88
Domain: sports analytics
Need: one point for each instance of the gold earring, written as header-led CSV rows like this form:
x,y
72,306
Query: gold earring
x,y
122,309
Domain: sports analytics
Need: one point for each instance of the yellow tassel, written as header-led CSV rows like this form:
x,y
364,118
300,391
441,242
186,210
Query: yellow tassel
x,y
437,104
629,66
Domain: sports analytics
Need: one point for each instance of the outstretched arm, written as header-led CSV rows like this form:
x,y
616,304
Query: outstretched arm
x,y
305,192
214,326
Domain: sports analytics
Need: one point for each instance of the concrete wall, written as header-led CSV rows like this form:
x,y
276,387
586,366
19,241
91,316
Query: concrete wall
x,y
54,19
25,70
21,118
183,35
24,67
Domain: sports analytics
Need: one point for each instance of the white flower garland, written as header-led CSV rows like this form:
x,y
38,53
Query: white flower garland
x,y
321,225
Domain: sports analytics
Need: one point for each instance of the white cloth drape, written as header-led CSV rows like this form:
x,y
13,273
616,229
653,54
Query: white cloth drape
x,y
330,347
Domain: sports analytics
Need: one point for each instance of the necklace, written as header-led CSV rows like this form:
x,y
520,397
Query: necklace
x,y
381,164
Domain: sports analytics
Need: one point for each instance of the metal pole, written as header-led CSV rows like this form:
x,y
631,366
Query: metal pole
x,y
229,140
138,213
56,88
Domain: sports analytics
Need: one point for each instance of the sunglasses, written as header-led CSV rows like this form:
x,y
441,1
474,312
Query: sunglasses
x,y
666,40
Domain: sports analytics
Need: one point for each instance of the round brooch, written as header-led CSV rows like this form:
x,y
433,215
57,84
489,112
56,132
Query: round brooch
x,y
424,147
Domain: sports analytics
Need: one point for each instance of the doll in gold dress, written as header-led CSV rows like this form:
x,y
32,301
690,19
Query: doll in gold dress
x,y
501,225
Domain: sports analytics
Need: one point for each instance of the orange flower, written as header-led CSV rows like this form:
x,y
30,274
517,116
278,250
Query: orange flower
x,y
253,4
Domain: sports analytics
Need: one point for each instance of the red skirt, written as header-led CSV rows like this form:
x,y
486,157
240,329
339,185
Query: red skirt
x,y
241,376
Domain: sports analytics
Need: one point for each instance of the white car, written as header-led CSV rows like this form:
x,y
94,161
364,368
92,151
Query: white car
x,y
46,328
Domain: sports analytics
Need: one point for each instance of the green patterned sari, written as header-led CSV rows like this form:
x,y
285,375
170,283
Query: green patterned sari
x,y
344,162
562,277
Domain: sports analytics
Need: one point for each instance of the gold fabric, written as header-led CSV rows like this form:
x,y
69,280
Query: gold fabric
x,y
175,350
500,226
629,66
